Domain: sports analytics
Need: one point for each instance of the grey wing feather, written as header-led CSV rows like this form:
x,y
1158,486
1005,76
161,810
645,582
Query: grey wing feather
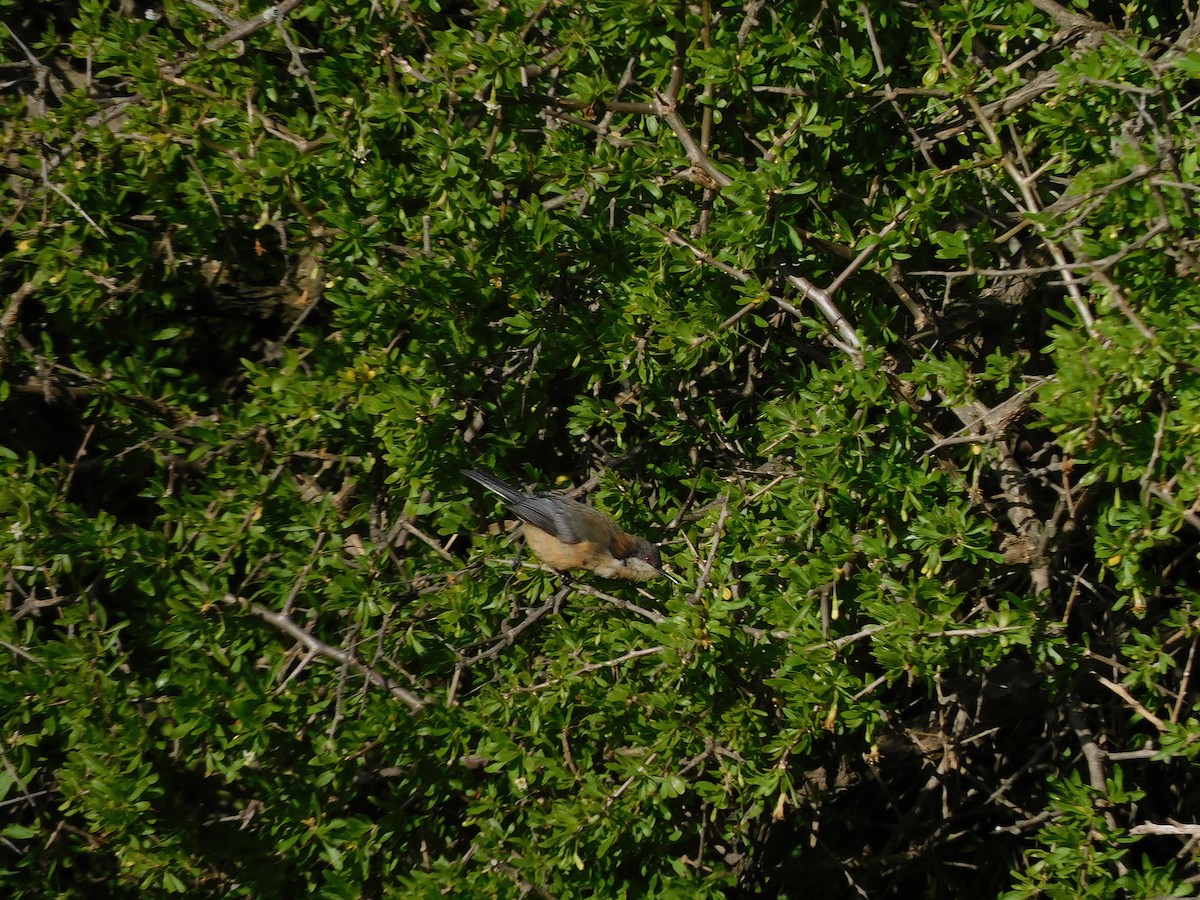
x,y
547,512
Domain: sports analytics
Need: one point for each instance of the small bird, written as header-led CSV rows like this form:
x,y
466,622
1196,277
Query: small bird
x,y
566,534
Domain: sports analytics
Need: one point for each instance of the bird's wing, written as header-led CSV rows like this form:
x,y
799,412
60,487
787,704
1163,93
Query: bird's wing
x,y
566,519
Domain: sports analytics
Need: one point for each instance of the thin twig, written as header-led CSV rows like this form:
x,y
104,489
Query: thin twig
x,y
1137,707
590,667
314,644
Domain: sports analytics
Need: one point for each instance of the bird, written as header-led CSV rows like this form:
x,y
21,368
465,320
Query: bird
x,y
566,534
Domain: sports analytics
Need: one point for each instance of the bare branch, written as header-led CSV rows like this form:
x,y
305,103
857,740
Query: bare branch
x,y
290,628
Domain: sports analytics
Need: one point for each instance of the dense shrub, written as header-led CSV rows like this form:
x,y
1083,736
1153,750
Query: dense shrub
x,y
884,319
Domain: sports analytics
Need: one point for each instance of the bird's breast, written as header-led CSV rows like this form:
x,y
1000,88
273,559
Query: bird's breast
x,y
558,554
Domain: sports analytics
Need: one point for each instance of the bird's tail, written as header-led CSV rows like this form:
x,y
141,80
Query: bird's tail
x,y
495,485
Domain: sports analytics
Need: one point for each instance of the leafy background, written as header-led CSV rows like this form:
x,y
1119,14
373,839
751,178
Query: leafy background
x,y
882,318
